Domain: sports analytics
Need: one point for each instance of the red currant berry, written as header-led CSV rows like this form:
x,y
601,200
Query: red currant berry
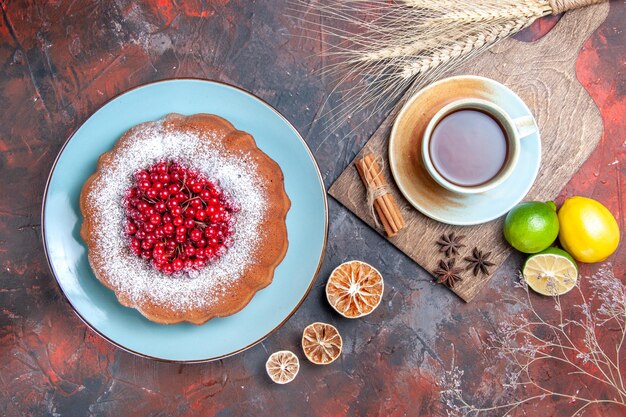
x,y
200,215
160,207
216,191
190,212
190,250
195,235
168,229
130,193
131,228
161,168
205,195
177,264
144,185
210,231
141,175
164,194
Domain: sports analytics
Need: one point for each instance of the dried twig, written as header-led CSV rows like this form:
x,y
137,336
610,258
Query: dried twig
x,y
530,341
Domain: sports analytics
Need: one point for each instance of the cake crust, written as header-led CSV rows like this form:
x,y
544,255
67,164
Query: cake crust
x,y
270,250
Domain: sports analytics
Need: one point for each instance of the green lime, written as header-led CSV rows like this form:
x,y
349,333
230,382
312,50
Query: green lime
x,y
551,272
532,226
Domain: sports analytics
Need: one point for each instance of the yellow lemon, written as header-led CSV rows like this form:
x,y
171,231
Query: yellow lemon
x,y
588,230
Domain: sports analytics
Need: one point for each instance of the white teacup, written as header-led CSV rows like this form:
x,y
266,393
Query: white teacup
x,y
514,130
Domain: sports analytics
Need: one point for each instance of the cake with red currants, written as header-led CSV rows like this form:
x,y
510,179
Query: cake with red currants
x,y
184,219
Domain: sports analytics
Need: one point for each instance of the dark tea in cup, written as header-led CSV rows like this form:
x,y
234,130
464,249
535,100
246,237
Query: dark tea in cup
x,y
468,147
472,145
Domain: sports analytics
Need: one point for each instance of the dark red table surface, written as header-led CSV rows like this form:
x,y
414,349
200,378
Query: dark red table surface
x,y
61,60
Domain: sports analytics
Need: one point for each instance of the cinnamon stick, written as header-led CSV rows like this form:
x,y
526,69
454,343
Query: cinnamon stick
x,y
379,180
377,206
369,176
385,206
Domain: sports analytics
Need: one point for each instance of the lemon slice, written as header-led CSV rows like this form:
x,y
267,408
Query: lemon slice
x,y
551,272
282,366
354,289
321,343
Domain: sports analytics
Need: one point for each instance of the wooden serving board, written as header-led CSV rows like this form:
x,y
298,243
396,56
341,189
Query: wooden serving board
x,y
543,74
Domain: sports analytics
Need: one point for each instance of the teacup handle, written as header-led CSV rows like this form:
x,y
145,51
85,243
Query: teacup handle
x,y
525,126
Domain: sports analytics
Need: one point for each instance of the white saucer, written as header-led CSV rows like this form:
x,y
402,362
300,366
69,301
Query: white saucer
x,y
416,184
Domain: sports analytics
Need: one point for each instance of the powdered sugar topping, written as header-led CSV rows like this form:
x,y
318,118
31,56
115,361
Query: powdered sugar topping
x,y
134,277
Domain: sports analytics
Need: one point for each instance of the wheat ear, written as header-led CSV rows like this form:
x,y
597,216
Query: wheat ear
x,y
392,47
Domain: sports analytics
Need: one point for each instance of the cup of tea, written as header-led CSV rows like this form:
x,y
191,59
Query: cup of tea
x,y
472,145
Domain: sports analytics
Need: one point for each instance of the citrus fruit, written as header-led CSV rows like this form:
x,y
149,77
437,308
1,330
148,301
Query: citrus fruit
x,y
282,366
354,289
588,229
551,272
321,343
532,226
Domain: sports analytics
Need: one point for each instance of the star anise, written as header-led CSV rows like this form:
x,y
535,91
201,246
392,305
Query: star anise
x,y
479,262
450,244
447,273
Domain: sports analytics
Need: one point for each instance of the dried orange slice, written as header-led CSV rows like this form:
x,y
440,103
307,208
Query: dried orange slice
x,y
354,289
321,343
282,366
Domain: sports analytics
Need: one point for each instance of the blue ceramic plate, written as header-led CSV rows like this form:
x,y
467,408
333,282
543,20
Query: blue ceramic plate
x,y
405,159
306,222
